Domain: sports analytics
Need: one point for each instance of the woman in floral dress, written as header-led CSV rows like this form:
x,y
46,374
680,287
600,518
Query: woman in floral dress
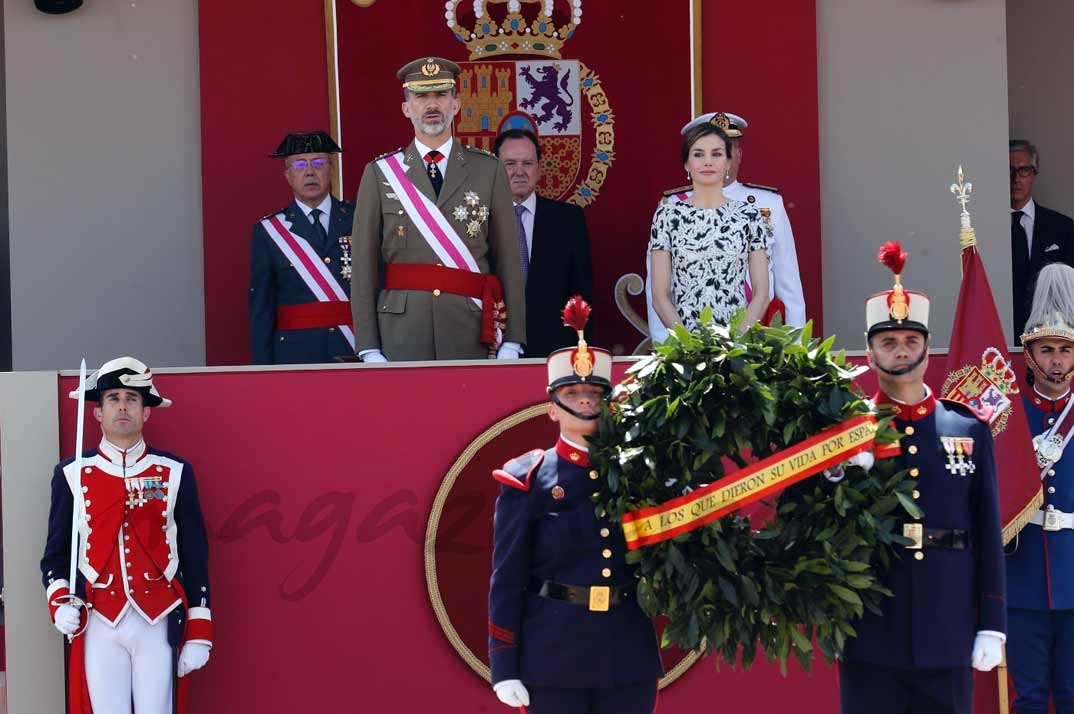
x,y
701,248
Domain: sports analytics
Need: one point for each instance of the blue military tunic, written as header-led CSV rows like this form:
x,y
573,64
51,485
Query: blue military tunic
x,y
546,529
942,597
1040,646
1039,570
274,282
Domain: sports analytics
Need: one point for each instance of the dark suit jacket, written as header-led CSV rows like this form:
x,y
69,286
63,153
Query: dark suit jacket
x,y
274,282
560,266
1053,242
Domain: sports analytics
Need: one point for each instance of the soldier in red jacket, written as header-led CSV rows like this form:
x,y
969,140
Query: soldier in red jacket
x,y
142,590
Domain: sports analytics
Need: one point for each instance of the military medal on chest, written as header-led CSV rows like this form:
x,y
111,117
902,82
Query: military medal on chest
x,y
143,489
345,257
959,450
472,213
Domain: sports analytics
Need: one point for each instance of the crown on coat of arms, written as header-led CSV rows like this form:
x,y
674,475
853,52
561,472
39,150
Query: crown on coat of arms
x,y
998,371
529,27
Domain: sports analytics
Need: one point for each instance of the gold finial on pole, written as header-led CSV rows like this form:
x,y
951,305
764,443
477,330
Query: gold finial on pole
x,y
967,238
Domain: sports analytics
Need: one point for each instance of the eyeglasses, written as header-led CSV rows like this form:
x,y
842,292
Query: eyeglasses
x,y
302,164
1023,171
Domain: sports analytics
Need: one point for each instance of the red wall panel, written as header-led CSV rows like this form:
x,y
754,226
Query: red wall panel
x,y
263,73
316,487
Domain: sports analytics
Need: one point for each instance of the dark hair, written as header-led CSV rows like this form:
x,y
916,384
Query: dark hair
x,y
516,134
704,130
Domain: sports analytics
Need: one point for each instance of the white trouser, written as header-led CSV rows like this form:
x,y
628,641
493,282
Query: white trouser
x,y
132,660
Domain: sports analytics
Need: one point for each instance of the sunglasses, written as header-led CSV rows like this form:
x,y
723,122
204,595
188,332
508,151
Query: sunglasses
x,y
303,164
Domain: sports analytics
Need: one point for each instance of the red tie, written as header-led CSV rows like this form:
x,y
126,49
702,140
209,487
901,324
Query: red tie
x,y
435,176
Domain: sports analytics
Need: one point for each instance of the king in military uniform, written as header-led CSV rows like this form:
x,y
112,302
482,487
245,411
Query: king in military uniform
x,y
1040,568
566,634
948,610
300,263
438,217
142,589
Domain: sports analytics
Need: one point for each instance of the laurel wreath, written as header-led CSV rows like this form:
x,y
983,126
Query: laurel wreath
x,y
816,565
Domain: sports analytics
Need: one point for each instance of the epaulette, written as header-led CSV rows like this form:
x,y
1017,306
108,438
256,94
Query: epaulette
x,y
272,213
759,187
478,150
516,472
386,154
983,413
680,189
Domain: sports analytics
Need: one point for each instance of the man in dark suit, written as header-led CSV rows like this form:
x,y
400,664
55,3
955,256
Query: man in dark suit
x,y
300,263
553,243
1038,235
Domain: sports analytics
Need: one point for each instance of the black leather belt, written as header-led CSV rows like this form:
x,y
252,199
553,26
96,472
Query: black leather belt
x,y
598,598
923,537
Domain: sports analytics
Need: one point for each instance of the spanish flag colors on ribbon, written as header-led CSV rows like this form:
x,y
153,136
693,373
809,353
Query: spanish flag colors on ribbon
x,y
791,465
980,375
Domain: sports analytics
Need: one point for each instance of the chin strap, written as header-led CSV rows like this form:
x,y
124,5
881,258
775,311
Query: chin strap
x,y
1028,353
587,417
903,370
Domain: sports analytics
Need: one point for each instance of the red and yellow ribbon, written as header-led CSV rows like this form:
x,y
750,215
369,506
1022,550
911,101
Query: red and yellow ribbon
x,y
791,465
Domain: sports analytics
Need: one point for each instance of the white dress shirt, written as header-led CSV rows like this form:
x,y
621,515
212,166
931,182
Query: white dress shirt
x,y
530,204
445,152
326,211
1029,216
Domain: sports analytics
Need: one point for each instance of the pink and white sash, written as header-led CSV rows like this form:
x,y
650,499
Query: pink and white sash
x,y
324,286
430,221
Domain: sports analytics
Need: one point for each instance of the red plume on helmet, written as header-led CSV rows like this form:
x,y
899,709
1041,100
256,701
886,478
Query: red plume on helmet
x,y
576,313
893,256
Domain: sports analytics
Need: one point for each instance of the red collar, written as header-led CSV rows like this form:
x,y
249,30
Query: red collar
x,y
571,454
908,412
1049,405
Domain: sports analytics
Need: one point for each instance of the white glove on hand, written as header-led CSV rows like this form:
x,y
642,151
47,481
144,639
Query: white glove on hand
x,y
373,356
192,657
67,619
865,459
512,692
987,652
509,350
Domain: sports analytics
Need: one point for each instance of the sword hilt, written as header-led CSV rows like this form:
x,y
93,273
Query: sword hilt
x,y
79,604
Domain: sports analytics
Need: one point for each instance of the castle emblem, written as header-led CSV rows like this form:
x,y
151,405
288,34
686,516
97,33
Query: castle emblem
x,y
537,89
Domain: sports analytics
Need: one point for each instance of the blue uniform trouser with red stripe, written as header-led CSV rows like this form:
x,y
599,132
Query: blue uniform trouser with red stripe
x,y
1040,659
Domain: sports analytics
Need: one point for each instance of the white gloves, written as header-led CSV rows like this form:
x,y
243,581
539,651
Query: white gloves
x,y
373,356
193,656
865,459
509,350
67,619
987,651
512,692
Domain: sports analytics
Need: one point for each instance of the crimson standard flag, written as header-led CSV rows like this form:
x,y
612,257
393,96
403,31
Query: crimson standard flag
x,y
980,375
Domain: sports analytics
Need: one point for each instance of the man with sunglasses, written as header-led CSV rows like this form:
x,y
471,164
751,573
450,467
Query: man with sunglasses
x,y
1038,235
300,263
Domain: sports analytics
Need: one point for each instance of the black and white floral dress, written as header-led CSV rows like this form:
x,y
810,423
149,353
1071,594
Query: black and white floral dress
x,y
709,250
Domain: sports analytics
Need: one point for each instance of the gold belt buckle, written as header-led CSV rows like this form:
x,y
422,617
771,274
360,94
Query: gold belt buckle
x,y
1051,521
600,598
915,532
